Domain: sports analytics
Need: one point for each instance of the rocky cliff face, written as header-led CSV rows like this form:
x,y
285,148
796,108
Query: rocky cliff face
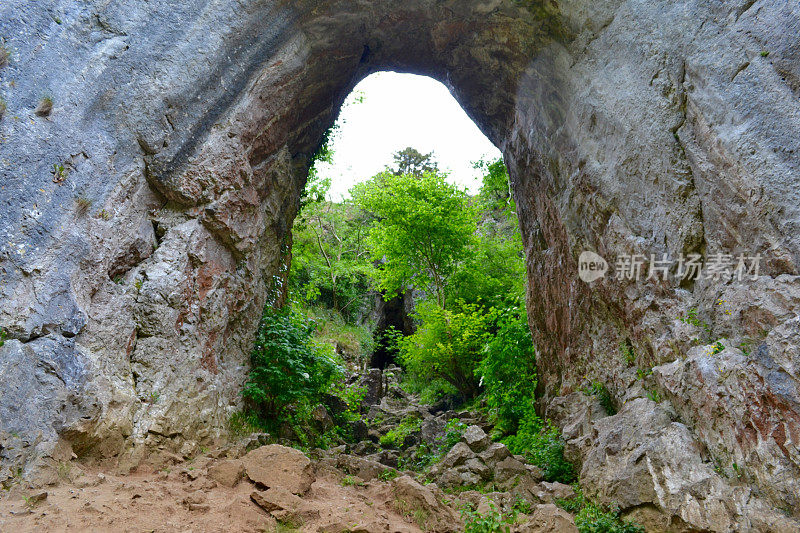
x,y
131,280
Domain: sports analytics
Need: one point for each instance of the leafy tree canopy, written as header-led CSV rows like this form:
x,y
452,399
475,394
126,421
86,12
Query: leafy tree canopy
x,y
423,229
411,161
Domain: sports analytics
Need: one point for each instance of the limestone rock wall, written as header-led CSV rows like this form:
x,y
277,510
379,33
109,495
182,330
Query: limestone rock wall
x,y
132,284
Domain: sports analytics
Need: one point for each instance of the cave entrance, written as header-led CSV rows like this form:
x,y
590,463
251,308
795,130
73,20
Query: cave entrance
x,y
385,114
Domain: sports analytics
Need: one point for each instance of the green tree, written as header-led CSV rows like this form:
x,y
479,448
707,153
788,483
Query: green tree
x,y
423,229
289,372
330,258
448,345
495,192
411,161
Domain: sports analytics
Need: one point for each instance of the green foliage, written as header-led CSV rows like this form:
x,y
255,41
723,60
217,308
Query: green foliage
x,y
628,355
388,474
542,445
351,481
60,172
241,424
424,226
412,162
654,395
395,437
693,319
5,56
448,345
352,341
764,53
425,455
3,107
601,391
718,347
508,369
493,273
495,192
330,257
3,336
289,372
492,522
592,518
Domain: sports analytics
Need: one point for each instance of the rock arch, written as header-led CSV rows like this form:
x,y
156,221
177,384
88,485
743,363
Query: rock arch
x,y
645,128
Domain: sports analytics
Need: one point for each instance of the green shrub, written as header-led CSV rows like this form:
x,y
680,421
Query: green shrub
x,y
395,437
601,391
592,518
508,370
425,455
3,336
492,522
447,345
542,445
289,372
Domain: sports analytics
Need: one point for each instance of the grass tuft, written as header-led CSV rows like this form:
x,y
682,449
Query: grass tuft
x,y
45,107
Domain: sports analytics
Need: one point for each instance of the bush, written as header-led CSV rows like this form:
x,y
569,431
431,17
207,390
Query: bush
x,y
395,437
542,445
601,391
508,370
592,518
447,345
492,522
289,372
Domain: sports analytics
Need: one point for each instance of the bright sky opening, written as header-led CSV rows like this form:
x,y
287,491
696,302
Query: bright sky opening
x,y
401,110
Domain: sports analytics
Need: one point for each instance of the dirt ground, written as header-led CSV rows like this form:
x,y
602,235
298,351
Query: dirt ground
x,y
185,499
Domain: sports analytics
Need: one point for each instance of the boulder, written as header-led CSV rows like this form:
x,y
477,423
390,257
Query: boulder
x,y
475,438
458,455
548,518
276,466
365,469
372,381
509,468
494,453
227,473
410,497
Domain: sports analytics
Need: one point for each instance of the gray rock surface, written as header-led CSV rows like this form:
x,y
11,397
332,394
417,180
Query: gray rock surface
x,y
132,281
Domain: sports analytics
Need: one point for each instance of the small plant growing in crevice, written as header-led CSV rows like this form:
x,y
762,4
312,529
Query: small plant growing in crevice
x,y
717,348
693,319
602,393
5,56
642,373
60,172
388,475
593,518
352,481
3,336
45,106
82,205
628,355
655,396
764,53
3,107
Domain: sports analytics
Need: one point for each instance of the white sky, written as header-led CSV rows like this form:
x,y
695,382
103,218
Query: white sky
x,y
401,110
